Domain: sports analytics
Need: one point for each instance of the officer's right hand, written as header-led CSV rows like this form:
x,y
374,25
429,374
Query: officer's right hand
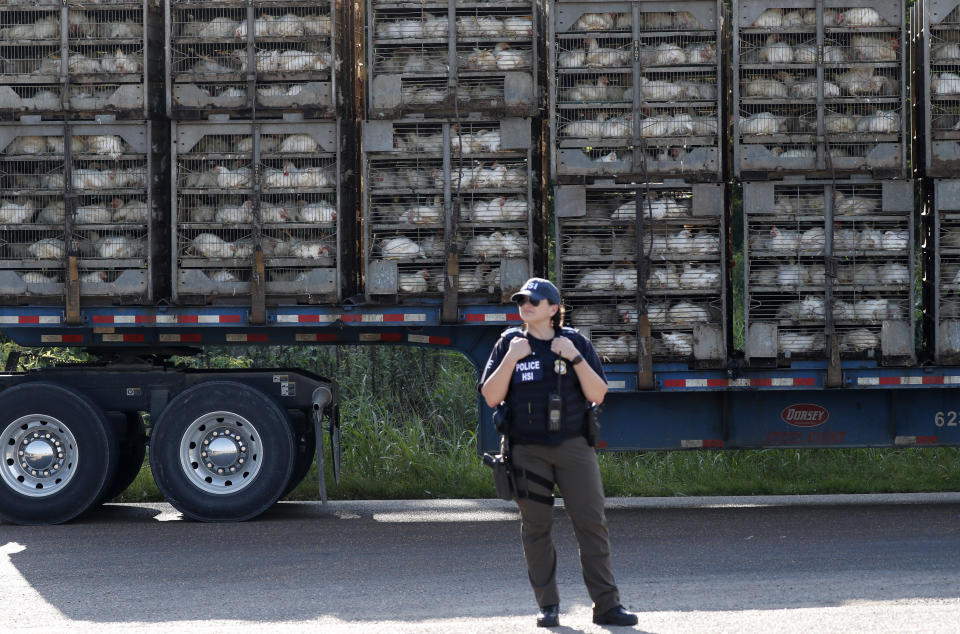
x,y
519,348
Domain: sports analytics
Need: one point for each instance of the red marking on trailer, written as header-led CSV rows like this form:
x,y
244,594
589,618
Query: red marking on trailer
x,y
351,318
61,338
317,336
805,415
437,341
248,337
499,317
180,338
932,380
188,319
123,338
701,444
774,382
601,444
30,319
902,441
926,440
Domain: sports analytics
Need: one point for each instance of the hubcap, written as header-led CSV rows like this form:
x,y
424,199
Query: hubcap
x,y
220,453
39,455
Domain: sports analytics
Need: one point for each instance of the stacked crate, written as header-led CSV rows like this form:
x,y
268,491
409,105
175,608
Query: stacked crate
x,y
80,158
937,49
451,150
820,141
636,106
257,180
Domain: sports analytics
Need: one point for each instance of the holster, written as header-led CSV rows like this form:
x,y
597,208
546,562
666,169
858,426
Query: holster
x,y
593,424
504,482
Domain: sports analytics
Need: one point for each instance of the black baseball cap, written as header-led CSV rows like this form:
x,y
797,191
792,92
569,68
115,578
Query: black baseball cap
x,y
538,288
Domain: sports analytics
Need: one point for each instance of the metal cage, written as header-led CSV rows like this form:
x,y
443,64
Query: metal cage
x,y
835,71
83,190
80,59
823,259
440,58
288,60
637,89
436,189
937,51
239,183
685,290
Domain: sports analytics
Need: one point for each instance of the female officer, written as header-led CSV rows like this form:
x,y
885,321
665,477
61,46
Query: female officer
x,y
522,372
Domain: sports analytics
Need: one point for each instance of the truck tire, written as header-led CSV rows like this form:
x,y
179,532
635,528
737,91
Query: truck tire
x,y
306,442
222,451
59,453
132,449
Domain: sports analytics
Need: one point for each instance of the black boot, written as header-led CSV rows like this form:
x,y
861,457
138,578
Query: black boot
x,y
549,616
615,616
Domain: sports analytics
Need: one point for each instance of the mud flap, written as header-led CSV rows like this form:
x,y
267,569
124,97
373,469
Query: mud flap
x,y
336,451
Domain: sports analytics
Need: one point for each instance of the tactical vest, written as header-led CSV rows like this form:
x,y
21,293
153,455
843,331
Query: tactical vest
x,y
528,399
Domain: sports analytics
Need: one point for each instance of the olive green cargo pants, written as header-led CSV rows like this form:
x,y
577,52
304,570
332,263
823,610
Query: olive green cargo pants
x,y
573,467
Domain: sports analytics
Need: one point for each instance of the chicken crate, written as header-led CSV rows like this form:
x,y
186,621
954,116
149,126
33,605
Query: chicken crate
x,y
637,90
943,270
293,49
84,189
810,245
937,51
683,234
435,187
440,58
108,59
787,95
237,181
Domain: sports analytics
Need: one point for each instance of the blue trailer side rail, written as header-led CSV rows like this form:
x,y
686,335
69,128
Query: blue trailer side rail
x,y
736,408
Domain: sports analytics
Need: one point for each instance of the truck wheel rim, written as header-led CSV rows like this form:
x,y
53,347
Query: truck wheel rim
x,y
39,455
220,453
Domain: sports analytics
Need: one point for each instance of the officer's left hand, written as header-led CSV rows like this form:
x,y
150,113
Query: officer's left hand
x,y
563,347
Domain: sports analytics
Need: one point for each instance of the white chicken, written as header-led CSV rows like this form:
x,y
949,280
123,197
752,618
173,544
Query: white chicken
x,y
875,309
704,53
791,275
210,245
946,84
591,91
235,214
120,62
413,282
677,343
111,145
35,277
776,52
93,214
598,279
113,247
688,314
131,211
321,212
699,276
615,348
947,51
625,279
667,54
881,122
858,340
510,58
311,250
768,88
595,22
399,248
784,239
232,178
769,19
52,214
845,239
895,240
298,143
799,343
874,49
583,246
860,17
813,241
854,205
762,123
27,145
893,274
575,58
599,57
663,277
13,212
425,213
870,240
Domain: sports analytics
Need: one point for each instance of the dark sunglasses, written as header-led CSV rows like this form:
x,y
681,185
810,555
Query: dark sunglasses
x,y
523,299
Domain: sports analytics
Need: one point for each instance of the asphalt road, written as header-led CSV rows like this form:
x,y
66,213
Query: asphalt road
x,y
727,566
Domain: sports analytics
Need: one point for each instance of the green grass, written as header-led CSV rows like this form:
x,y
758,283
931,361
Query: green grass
x,y
409,431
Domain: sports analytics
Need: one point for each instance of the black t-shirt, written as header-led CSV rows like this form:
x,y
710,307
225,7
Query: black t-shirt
x,y
534,378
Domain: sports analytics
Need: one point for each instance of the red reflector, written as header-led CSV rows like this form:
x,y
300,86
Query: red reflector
x,y
713,444
759,383
133,338
717,382
440,341
391,336
258,338
601,444
807,380
72,339
145,319
674,383
29,319
397,317
473,317
230,319
889,380
103,319
194,338
188,319
351,318
327,336
932,380
926,440
308,318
